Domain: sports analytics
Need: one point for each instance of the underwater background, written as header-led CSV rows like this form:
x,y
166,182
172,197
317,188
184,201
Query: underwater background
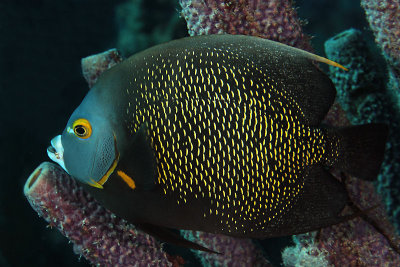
x,y
42,43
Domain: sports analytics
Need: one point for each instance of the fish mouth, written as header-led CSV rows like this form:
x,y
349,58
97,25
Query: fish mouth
x,y
56,151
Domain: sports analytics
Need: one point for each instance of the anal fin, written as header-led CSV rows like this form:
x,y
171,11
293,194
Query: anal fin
x,y
319,206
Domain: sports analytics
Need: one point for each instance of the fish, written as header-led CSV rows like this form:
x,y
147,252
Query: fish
x,y
217,133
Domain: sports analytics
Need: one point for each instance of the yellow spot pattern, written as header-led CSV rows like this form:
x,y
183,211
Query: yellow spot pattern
x,y
225,132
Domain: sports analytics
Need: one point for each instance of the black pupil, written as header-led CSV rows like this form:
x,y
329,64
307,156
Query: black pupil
x,y
80,130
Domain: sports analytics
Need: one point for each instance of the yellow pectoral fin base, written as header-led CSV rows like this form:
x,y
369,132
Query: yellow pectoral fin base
x,y
127,179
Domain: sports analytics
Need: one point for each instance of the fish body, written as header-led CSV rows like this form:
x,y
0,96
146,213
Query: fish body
x,y
217,133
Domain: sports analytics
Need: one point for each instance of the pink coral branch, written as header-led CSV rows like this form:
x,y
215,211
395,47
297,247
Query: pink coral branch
x,y
97,234
93,66
274,19
384,19
358,242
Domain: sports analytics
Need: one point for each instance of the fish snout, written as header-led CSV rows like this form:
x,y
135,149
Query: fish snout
x,y
56,151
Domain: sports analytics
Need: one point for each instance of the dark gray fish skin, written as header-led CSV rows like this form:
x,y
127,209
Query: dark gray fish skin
x,y
221,134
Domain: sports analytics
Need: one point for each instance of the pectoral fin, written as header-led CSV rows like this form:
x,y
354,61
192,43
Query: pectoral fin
x,y
138,166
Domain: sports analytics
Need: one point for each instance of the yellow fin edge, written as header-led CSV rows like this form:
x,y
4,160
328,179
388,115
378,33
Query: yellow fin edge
x,y
323,60
328,61
316,57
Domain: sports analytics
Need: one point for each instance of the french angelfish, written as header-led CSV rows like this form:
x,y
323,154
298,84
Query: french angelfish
x,y
217,133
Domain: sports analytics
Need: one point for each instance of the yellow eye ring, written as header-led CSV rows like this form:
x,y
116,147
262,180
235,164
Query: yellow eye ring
x,y
82,128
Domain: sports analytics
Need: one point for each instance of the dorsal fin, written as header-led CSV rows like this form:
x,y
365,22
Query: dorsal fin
x,y
318,58
293,70
325,60
140,161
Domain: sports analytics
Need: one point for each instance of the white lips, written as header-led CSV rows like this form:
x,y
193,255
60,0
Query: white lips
x,y
56,151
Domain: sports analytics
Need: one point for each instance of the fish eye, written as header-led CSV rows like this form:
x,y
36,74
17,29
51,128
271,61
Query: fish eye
x,y
82,128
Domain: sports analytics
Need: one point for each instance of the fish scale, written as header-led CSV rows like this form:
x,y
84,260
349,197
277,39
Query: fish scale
x,y
215,127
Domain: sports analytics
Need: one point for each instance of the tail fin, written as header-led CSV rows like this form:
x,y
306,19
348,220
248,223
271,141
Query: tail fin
x,y
361,149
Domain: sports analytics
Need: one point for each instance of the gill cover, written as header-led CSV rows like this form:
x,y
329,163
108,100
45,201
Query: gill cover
x,y
89,143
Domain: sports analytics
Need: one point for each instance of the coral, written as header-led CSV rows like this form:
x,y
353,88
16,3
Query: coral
x,y
305,253
234,251
365,96
361,81
364,241
97,234
369,240
93,66
274,19
384,19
